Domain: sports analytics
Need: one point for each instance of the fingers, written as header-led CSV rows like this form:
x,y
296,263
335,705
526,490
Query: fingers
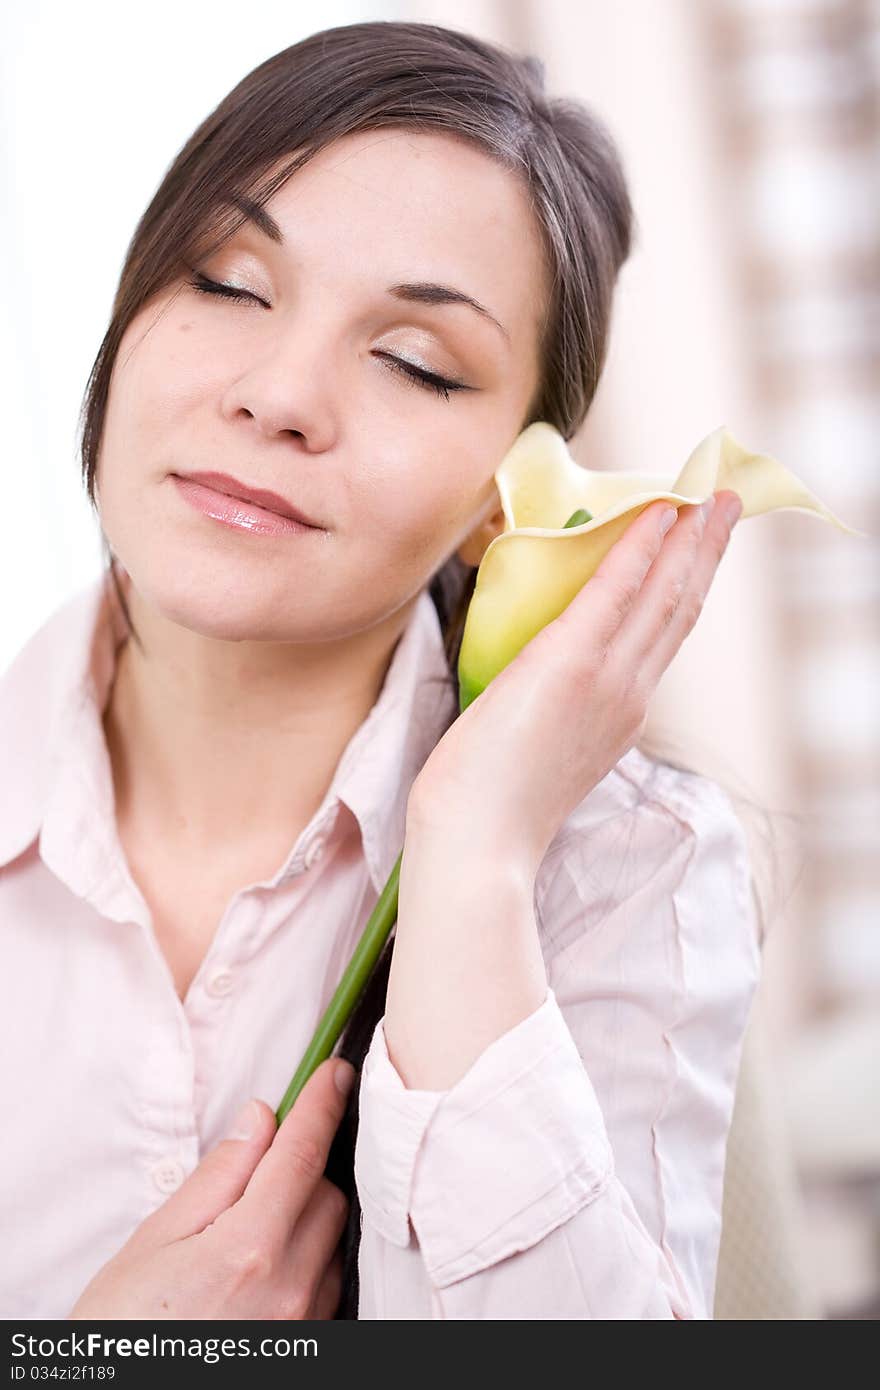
x,y
672,596
614,588
330,1293
291,1169
314,1242
217,1183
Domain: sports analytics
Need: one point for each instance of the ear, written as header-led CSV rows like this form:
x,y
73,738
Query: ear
x,y
472,550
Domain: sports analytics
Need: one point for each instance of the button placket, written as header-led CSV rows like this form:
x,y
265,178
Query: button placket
x,y
168,1174
170,1140
220,983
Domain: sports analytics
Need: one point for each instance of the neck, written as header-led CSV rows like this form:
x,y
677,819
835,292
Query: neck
x,y
218,742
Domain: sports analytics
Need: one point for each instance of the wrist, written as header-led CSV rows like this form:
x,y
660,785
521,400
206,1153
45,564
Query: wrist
x,y
467,963
468,845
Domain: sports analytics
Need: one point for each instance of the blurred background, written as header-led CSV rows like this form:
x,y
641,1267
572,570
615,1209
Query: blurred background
x,y
750,131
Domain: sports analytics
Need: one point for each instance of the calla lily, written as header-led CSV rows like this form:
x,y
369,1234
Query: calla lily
x,y
533,570
560,521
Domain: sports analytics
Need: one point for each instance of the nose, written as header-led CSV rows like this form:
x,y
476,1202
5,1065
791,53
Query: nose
x,y
281,393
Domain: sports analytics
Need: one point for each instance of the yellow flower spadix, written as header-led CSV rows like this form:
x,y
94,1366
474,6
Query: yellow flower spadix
x,y
533,570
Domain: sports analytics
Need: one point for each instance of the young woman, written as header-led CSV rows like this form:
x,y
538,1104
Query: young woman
x,y
383,255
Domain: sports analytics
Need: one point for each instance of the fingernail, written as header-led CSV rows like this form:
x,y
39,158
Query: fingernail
x,y
344,1077
668,520
245,1125
732,510
706,508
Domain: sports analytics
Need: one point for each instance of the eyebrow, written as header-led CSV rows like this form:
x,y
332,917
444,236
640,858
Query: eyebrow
x,y
415,292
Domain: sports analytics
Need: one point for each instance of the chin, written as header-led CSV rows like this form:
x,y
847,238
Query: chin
x,y
213,601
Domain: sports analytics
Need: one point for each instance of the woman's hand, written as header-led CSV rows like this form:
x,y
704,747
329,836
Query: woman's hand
x,y
574,700
252,1233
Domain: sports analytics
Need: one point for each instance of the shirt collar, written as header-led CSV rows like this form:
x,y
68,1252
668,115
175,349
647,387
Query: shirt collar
x,y
47,683
415,706
53,695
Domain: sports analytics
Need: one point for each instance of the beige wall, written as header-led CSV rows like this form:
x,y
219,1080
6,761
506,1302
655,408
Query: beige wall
x,y
750,133
677,368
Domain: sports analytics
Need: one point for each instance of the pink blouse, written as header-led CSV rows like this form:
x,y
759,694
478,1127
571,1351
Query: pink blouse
x,y
575,1171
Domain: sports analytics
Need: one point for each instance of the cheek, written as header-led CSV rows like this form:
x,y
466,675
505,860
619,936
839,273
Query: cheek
x,y
151,398
417,514
162,369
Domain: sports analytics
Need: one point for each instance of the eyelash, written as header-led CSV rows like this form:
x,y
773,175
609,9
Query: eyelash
x,y
429,380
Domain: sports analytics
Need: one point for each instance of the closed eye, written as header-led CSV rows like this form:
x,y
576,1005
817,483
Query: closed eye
x,y
417,375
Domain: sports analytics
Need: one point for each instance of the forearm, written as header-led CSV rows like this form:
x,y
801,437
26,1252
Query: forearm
x,y
467,963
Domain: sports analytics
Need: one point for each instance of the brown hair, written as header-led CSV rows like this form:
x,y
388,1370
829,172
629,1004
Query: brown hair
x,y
417,77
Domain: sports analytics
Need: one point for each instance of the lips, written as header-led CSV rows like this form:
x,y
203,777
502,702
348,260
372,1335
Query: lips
x,y
260,497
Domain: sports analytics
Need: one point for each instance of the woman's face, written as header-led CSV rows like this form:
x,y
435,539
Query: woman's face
x,y
297,393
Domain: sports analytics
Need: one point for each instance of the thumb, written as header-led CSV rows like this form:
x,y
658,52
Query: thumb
x,y
219,1180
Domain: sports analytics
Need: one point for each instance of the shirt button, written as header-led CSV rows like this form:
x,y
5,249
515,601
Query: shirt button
x,y
168,1175
220,983
314,851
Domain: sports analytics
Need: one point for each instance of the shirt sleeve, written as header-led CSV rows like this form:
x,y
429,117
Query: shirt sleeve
x,y
576,1169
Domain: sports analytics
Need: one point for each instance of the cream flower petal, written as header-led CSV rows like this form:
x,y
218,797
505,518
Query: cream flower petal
x,y
533,570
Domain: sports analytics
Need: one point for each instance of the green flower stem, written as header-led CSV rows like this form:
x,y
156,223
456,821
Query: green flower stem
x,y
349,990
360,967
